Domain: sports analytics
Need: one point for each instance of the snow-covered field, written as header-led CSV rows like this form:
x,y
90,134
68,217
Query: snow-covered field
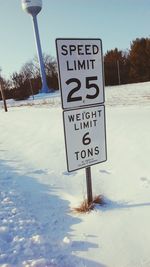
x,y
37,225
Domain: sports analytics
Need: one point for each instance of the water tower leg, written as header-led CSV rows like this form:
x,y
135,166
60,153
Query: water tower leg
x,y
45,88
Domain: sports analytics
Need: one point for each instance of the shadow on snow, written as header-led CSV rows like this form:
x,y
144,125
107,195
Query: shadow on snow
x,y
35,223
114,205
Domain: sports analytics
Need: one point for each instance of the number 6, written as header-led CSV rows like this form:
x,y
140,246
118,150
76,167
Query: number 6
x,y
86,140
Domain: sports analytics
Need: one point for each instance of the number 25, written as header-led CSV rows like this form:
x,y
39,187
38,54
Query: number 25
x,y
89,85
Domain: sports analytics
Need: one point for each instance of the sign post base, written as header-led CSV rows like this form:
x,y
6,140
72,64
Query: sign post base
x,y
89,185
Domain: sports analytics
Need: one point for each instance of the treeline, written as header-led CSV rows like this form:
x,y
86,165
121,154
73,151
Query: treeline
x,y
120,67
132,66
27,81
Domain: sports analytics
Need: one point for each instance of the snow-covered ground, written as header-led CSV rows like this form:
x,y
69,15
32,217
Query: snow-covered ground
x,y
37,225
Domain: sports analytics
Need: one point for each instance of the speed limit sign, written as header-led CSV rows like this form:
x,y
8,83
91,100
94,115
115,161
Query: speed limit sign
x,y
80,72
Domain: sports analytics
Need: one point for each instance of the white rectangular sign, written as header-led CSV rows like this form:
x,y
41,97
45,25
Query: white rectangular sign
x,y
85,136
80,64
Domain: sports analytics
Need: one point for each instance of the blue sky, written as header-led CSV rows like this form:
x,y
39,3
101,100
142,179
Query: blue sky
x,y
116,22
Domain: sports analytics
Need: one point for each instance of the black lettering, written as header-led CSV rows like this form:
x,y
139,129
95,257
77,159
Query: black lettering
x,y
83,154
78,118
90,152
77,155
94,121
71,118
99,112
88,65
93,114
64,48
87,115
83,115
81,65
68,67
72,49
75,65
85,124
92,61
86,140
75,127
95,49
80,48
96,150
87,49
91,124
70,97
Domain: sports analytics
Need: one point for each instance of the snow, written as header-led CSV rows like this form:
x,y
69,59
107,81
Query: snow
x,y
38,227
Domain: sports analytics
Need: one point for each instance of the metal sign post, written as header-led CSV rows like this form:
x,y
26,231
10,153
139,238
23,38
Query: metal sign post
x,y
89,185
3,98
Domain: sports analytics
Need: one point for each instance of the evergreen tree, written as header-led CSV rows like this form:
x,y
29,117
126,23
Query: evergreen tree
x,y
116,66
139,58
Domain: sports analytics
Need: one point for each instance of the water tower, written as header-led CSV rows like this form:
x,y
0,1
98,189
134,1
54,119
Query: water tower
x,y
33,7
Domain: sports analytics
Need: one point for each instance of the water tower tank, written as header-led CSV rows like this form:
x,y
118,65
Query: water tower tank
x,y
33,7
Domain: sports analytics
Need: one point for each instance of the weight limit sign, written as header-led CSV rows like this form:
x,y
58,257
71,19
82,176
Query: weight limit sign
x,y
80,64
85,137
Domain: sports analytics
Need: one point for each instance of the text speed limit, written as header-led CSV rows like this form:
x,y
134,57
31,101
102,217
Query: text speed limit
x,y
81,72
